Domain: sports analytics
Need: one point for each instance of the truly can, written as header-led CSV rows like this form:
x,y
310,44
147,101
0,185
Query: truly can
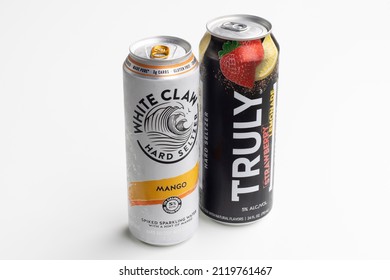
x,y
239,74
161,87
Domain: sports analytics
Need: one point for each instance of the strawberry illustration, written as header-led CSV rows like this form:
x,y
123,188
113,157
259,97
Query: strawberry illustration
x,y
238,61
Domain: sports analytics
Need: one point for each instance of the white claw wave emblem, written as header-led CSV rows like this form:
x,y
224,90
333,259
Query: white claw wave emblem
x,y
167,126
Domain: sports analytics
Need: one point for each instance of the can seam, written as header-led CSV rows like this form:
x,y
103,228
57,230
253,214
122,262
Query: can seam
x,y
259,20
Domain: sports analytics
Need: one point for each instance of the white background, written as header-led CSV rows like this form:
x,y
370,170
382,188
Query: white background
x,y
62,144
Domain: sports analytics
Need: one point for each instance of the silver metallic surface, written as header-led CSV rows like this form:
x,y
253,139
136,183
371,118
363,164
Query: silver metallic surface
x,y
239,27
180,50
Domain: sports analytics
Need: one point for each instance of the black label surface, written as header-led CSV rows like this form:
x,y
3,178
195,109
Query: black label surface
x,y
239,84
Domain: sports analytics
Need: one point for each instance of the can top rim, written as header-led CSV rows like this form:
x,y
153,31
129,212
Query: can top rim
x,y
239,27
160,40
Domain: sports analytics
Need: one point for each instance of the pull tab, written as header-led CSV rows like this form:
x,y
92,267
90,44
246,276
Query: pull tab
x,y
159,51
234,26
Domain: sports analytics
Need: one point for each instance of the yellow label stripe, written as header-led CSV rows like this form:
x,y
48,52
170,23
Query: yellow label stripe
x,y
150,202
156,191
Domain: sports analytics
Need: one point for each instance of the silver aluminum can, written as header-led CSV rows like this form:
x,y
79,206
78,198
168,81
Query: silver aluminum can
x,y
161,84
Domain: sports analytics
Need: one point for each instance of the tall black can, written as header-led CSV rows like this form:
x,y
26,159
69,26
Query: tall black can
x,y
239,77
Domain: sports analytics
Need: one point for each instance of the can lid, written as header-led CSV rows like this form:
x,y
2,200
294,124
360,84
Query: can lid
x,y
160,50
239,27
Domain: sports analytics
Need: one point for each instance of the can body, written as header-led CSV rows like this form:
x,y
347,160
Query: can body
x,y
239,74
161,116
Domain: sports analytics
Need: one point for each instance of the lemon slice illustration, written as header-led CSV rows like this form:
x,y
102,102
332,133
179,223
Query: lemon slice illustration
x,y
265,68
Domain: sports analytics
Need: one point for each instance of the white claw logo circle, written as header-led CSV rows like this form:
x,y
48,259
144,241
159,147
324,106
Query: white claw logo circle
x,y
167,125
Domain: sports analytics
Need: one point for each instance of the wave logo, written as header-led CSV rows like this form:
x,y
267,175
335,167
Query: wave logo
x,y
170,131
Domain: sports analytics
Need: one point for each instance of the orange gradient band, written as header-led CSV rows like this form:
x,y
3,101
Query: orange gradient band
x,y
156,191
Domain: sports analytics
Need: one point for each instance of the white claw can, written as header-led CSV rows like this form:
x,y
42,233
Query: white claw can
x,y
161,84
